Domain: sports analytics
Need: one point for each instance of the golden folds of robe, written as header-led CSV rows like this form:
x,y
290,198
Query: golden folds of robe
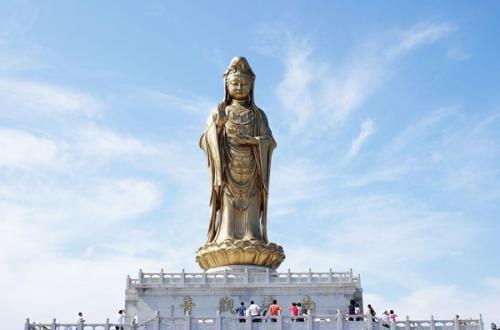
x,y
239,175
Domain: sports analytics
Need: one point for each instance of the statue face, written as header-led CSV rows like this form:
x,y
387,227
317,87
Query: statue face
x,y
238,86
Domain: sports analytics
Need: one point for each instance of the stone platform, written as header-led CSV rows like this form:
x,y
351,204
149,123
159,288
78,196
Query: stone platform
x,y
220,291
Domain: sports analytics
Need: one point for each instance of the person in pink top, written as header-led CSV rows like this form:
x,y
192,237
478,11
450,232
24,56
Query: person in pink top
x,y
392,316
294,311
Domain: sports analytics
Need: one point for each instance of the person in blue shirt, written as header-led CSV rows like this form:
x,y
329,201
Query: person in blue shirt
x,y
240,311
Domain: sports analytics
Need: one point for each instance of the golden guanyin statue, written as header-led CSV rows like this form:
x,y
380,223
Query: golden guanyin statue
x,y
238,144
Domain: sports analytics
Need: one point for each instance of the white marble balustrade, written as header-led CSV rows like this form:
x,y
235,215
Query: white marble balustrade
x,y
307,322
248,277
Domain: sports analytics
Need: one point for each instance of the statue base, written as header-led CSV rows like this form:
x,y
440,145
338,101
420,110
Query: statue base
x,y
240,252
208,294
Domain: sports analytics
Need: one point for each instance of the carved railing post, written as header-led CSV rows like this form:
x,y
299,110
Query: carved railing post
x,y
289,276
80,325
187,321
183,277
128,284
162,277
309,321
309,276
53,326
407,323
218,322
330,276
156,323
393,325
432,324
340,320
107,326
141,277
27,325
481,323
279,319
369,321
457,323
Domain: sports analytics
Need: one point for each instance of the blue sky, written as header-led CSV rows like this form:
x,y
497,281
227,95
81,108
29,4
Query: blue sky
x,y
386,114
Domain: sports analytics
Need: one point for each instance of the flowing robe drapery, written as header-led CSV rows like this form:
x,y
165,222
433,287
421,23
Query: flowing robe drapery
x,y
213,142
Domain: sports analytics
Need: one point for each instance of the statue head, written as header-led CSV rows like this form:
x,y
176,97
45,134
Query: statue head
x,y
239,81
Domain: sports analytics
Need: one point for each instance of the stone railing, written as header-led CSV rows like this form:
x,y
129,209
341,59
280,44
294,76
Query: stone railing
x,y
248,277
306,322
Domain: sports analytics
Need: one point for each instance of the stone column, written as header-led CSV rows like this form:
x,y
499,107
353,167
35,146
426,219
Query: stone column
x,y
433,326
27,325
107,326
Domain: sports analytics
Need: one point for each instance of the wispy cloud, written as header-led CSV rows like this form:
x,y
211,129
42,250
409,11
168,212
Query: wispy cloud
x,y
23,150
336,90
317,90
419,35
35,97
366,130
377,176
186,102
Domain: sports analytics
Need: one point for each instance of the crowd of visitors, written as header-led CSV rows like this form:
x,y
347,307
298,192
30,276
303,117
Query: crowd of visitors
x,y
272,311
354,314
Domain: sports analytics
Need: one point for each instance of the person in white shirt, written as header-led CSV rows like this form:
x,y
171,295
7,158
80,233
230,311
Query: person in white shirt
x,y
254,310
357,311
81,320
120,320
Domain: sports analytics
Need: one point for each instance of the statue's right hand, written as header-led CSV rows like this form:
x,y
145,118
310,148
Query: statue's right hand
x,y
221,117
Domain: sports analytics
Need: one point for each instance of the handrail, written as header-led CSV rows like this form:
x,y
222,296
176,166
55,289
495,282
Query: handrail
x,y
304,322
247,277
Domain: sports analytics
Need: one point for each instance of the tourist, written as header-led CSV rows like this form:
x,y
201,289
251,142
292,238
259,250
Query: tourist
x,y
385,319
371,311
357,311
351,310
120,320
80,318
240,311
300,312
274,310
294,311
392,316
254,311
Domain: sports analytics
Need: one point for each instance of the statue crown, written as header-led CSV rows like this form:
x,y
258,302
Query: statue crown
x,y
239,65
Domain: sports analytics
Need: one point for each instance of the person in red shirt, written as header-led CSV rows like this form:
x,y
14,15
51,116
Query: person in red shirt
x,y
274,310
